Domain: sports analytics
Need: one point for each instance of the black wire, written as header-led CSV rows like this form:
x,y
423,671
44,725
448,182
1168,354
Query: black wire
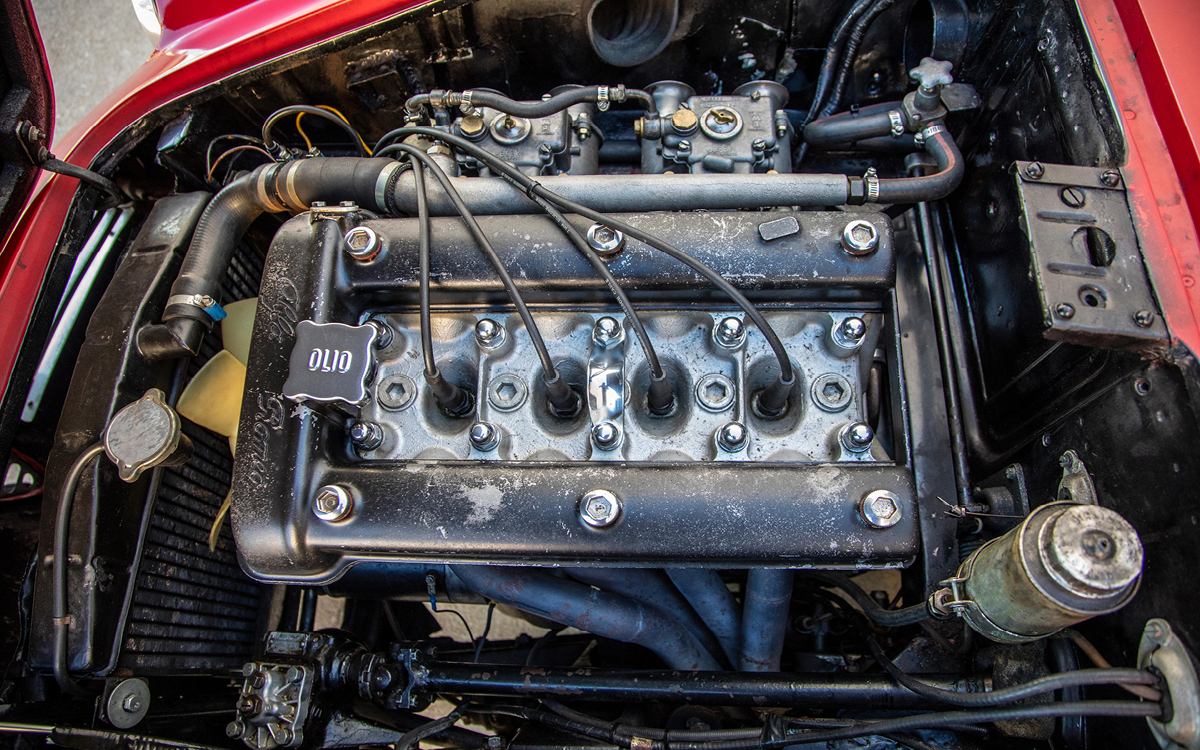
x,y
295,109
58,166
227,137
61,613
549,371
892,618
833,54
429,729
1048,684
431,368
851,51
534,189
541,645
487,628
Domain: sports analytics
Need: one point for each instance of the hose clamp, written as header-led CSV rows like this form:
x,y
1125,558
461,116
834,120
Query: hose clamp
x,y
207,304
897,123
268,197
871,178
932,130
602,98
464,103
382,183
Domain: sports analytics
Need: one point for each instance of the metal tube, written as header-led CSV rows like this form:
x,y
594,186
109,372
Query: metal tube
x,y
712,600
815,690
764,619
937,295
638,192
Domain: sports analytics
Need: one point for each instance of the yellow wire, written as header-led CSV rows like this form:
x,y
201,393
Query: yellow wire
x,y
327,108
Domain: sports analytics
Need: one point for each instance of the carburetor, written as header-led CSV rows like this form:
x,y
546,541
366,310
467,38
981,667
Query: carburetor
x,y
345,455
742,133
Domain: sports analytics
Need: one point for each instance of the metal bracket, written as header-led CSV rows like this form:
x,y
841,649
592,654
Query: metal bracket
x,y
1086,260
1076,485
1162,650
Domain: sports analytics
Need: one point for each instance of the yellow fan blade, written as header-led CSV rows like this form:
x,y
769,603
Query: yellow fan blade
x,y
237,327
214,397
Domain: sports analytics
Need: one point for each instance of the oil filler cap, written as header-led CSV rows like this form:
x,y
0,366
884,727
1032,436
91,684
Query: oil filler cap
x,y
331,362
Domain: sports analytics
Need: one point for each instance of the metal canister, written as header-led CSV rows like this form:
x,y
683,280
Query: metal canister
x,y
1065,563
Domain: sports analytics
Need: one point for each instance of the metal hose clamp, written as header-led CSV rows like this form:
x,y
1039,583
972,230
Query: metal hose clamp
x,y
464,104
897,123
207,304
602,98
871,178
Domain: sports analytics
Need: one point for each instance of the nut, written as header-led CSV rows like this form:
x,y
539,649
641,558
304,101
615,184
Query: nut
x,y
606,435
362,244
489,334
366,435
860,237
857,437
599,509
332,503
606,241
731,438
484,436
607,332
684,121
880,509
850,332
472,126
730,333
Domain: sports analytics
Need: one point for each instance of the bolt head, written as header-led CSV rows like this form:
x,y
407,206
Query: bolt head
x,y
684,121
484,436
856,437
132,703
860,237
759,144
1110,178
607,435
495,743
605,240
684,145
1064,310
850,332
294,675
258,681
233,730
472,126
1143,318
880,509
284,736
1034,170
362,243
730,333
599,508
366,435
332,503
732,437
489,334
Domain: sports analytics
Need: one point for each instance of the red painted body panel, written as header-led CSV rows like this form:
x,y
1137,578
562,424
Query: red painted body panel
x,y
1164,222
205,49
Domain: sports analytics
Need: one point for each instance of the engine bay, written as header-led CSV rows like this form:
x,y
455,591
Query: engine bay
x,y
771,374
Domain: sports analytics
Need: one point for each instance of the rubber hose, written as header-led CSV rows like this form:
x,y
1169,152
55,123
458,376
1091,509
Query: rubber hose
x,y
848,127
540,108
935,186
598,612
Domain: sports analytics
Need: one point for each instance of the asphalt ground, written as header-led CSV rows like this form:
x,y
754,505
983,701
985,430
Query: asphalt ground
x,y
91,45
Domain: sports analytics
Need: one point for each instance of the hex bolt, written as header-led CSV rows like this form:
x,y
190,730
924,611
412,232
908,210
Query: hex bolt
x,y
1064,310
856,437
484,436
284,736
599,509
684,121
383,333
1110,178
249,668
132,703
831,392
1143,318
258,681
606,435
396,392
233,729
730,333
332,503
1034,170
366,435
362,244
489,334
880,509
606,241
849,334
731,438
495,743
607,332
1072,196
860,237
294,675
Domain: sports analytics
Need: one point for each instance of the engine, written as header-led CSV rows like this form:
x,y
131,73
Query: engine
x,y
763,373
